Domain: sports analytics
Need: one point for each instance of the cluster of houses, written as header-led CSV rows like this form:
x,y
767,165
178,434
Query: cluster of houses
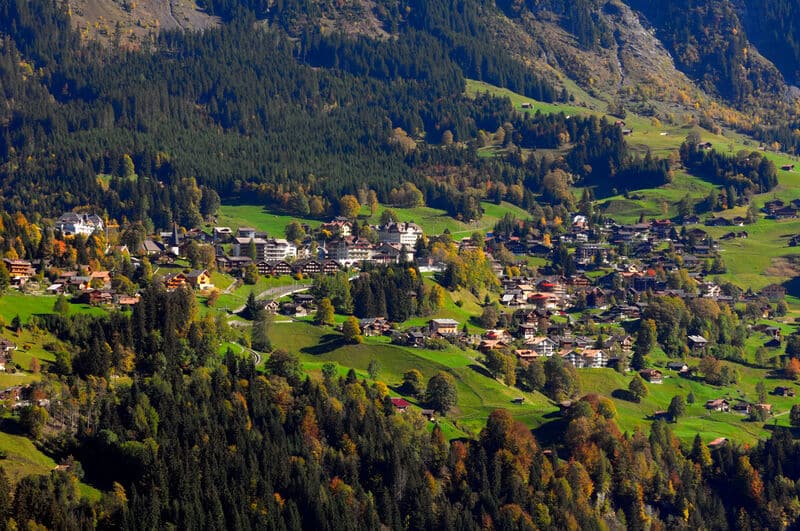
x,y
338,247
777,209
593,245
396,242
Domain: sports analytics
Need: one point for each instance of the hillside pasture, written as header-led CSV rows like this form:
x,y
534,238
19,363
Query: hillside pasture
x,y
478,393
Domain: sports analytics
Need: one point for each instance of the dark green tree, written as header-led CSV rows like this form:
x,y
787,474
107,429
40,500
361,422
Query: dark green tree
x,y
61,306
637,388
441,393
677,408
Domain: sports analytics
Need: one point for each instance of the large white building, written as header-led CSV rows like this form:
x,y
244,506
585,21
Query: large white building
x,y
586,358
402,233
348,251
72,223
279,249
266,249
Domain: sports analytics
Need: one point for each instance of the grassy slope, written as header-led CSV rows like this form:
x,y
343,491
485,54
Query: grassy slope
x,y
697,420
273,223
478,394
747,260
15,303
22,458
432,220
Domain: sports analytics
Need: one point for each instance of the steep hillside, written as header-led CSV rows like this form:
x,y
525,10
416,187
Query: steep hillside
x,y
658,59
129,23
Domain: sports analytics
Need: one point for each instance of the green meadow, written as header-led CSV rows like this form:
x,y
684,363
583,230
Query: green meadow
x,y
478,394
14,303
258,217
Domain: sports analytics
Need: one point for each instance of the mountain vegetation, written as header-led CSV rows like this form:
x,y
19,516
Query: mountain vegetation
x,y
170,417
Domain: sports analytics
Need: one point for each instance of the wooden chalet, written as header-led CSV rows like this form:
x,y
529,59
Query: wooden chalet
x,y
719,442
491,344
719,404
96,297
783,391
19,271
400,404
374,326
654,376
6,345
526,354
443,327
414,338
272,306
697,343
174,281
199,279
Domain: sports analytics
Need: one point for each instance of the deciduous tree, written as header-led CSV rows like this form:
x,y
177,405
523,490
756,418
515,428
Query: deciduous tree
x,y
325,312
351,330
441,393
349,206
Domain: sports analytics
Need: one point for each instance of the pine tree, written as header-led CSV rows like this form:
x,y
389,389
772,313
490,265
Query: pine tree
x,y
61,306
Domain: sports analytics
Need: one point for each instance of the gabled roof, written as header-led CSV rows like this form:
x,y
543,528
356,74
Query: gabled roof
x,y
400,403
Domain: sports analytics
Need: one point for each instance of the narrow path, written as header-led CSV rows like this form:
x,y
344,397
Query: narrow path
x,y
256,355
229,289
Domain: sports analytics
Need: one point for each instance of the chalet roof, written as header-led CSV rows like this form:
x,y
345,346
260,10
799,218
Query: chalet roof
x,y
445,322
7,344
400,403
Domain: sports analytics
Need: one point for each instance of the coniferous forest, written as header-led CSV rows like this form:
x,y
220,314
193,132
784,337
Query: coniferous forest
x,y
269,108
193,443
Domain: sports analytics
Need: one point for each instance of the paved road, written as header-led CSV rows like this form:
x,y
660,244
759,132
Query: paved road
x,y
229,289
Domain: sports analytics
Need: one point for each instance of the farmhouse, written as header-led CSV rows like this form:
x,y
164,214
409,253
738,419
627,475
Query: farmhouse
x,y
19,270
679,366
783,391
174,281
443,327
653,376
719,404
697,342
400,404
199,279
773,292
719,442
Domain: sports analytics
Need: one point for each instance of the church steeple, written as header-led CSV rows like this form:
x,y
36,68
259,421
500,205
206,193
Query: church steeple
x,y
175,240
